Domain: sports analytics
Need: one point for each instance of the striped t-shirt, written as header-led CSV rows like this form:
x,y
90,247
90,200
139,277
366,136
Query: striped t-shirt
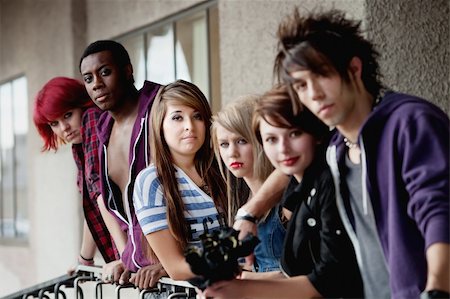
x,y
150,204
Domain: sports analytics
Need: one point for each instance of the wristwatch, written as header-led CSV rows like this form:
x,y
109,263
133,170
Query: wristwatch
x,y
434,294
242,214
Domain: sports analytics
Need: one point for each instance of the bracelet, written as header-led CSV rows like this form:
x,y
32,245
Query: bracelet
x,y
246,217
434,294
84,261
242,214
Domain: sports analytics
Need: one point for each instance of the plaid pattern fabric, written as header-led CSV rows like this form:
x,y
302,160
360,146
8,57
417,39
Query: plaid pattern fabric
x,y
88,181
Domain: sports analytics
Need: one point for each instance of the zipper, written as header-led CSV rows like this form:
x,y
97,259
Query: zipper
x,y
144,122
110,197
127,207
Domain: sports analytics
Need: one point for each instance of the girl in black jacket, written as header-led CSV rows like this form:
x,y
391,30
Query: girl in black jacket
x,y
318,258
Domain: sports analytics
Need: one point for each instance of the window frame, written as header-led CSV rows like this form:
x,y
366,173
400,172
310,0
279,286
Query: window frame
x,y
210,8
16,238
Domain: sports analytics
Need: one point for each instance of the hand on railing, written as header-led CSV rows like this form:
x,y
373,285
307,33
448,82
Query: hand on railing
x,y
162,285
148,277
115,272
80,261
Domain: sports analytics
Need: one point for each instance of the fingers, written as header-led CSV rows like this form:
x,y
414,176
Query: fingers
x,y
156,276
153,280
124,278
146,281
213,291
115,277
146,278
249,261
133,278
200,294
106,277
139,280
108,271
244,227
115,273
71,270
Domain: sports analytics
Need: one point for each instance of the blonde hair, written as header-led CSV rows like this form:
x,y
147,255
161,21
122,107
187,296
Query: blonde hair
x,y
188,94
236,117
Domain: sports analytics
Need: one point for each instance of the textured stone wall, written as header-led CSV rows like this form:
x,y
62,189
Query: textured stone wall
x,y
413,39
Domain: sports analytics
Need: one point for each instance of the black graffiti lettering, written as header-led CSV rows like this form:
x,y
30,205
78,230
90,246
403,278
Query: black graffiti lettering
x,y
192,230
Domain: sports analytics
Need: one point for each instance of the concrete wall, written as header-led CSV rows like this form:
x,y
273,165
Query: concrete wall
x,y
37,41
44,38
110,18
248,44
413,39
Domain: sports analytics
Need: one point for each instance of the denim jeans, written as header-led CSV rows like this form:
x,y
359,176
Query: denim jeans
x,y
271,233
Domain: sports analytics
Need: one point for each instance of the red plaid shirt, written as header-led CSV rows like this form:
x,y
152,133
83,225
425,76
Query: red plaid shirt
x,y
88,181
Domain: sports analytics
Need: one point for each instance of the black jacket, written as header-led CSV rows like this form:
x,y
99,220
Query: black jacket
x,y
316,244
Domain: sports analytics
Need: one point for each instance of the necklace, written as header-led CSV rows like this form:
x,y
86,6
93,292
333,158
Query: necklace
x,y
205,189
350,144
381,94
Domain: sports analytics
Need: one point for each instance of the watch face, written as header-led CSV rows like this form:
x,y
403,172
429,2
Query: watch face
x,y
241,212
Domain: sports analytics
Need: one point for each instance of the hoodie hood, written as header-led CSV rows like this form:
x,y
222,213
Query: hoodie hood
x,y
146,96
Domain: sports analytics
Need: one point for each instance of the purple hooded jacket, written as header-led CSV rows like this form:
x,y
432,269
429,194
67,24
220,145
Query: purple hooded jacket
x,y
133,255
405,166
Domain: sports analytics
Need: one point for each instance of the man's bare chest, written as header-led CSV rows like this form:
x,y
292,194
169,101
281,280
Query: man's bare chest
x,y
118,152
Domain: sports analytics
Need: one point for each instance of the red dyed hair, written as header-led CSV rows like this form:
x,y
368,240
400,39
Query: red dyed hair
x,y
58,96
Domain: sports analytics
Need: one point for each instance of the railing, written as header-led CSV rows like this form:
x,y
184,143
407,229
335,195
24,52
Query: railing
x,y
59,286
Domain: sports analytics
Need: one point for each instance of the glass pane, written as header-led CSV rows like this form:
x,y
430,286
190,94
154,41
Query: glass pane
x,y
19,94
6,117
192,51
160,55
21,129
135,48
7,157
13,158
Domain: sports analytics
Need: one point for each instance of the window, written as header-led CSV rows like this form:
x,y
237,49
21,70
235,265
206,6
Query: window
x,y
178,47
13,159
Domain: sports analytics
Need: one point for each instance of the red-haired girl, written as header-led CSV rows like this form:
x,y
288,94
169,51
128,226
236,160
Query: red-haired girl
x,y
64,113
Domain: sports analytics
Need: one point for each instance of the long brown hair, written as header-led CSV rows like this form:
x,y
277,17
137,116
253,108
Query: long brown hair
x,y
188,94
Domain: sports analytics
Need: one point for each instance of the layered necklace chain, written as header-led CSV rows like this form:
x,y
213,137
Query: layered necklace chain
x,y
350,144
381,93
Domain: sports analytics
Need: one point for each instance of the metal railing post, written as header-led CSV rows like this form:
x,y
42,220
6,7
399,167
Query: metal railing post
x,y
77,288
99,289
170,288
120,287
